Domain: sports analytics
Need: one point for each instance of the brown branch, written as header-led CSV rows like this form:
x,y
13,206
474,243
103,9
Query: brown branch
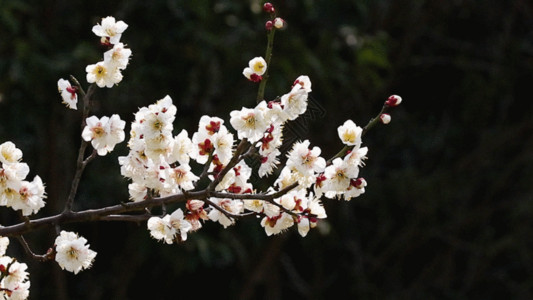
x,y
44,257
81,162
92,215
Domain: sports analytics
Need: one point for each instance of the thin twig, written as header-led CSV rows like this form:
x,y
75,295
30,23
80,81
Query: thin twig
x,y
367,127
43,257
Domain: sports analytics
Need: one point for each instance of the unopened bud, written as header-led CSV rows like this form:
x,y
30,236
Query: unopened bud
x,y
385,118
279,23
394,100
269,25
269,8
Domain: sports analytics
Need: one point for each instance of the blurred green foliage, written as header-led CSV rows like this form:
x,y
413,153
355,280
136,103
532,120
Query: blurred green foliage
x,y
448,210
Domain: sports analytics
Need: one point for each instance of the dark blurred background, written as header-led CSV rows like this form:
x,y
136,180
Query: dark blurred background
x,y
448,212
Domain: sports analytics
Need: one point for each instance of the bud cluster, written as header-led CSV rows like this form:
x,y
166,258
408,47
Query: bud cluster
x,y
274,22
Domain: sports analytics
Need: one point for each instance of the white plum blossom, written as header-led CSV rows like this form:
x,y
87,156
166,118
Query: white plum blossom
x,y
338,176
350,134
169,228
231,206
161,229
304,82
223,143
182,148
104,133
9,153
204,139
72,252
68,93
312,206
30,199
256,67
249,123
182,177
295,102
181,225
138,192
268,163
277,224
118,57
356,156
110,30
15,285
306,162
103,74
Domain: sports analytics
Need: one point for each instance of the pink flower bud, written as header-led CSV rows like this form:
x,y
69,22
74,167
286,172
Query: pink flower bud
x,y
269,8
393,100
385,118
269,25
279,23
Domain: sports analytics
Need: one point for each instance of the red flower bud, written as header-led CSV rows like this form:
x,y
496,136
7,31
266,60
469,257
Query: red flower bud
x,y
269,8
393,100
269,25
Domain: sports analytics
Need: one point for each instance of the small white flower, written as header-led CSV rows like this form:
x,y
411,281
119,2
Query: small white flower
x,y
110,29
68,93
118,57
183,177
295,102
256,67
31,197
304,82
338,176
223,143
137,191
104,133
103,74
181,225
249,123
72,252
182,148
305,161
350,134
277,224
269,163
9,153
161,229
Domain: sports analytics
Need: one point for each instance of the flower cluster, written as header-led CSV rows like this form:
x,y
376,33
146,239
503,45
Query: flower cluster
x,y
107,73
14,282
72,253
15,191
160,164
157,160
